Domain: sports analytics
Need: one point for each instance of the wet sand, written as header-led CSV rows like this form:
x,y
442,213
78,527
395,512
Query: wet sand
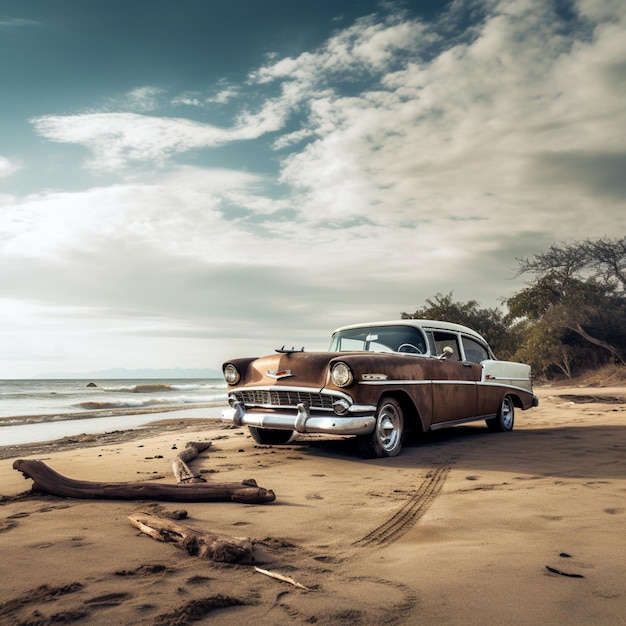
x,y
464,527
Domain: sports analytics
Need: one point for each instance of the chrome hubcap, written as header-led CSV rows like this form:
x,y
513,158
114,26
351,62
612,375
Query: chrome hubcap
x,y
507,413
388,427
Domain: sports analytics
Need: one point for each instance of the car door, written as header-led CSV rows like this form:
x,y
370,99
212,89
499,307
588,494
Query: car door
x,y
487,399
454,381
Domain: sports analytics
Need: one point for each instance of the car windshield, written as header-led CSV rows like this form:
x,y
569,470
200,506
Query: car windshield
x,y
406,339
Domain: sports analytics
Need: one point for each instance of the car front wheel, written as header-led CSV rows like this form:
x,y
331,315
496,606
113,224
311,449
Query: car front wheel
x,y
503,422
388,435
270,436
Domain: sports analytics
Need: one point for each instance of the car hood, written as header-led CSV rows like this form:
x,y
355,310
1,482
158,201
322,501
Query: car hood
x,y
293,369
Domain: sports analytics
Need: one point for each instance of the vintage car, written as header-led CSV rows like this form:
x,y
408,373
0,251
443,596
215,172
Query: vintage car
x,y
378,381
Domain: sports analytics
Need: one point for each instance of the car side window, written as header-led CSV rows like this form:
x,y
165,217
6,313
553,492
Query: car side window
x,y
443,340
474,351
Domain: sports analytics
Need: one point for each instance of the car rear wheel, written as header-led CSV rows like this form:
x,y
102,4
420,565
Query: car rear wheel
x,y
270,436
388,435
503,422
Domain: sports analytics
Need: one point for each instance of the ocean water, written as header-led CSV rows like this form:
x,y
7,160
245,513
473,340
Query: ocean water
x,y
41,410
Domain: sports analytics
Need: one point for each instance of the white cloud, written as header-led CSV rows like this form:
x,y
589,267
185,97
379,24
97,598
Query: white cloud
x,y
196,99
224,95
16,22
116,139
178,214
143,99
8,167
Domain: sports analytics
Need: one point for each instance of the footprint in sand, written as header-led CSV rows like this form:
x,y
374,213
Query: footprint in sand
x,y
313,496
198,580
108,600
145,570
6,525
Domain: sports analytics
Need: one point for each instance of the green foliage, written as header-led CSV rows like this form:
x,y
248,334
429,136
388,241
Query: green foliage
x,y
551,351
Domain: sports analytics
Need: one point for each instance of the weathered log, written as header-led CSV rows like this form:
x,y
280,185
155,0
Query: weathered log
x,y
205,545
47,480
182,473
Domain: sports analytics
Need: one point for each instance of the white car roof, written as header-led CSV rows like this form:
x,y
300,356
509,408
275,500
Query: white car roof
x,y
423,324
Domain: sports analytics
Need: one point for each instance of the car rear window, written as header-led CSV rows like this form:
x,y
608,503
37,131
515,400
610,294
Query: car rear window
x,y
474,351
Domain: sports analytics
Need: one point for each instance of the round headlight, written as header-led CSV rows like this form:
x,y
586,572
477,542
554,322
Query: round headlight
x,y
231,374
341,375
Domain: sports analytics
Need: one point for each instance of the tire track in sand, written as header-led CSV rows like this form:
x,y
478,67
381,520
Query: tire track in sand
x,y
409,514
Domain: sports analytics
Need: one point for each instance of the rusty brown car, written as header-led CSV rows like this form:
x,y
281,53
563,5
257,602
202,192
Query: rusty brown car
x,y
378,381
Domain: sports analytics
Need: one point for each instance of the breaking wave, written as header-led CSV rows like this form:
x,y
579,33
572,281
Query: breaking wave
x,y
152,387
131,403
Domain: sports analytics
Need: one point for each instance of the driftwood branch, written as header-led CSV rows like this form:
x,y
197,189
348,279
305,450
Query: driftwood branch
x,y
205,545
181,470
47,480
285,579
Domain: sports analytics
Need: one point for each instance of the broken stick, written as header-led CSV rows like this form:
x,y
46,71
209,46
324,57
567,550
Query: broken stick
x,y
285,579
181,470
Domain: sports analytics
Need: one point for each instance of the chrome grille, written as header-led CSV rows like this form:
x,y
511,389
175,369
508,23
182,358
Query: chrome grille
x,y
272,398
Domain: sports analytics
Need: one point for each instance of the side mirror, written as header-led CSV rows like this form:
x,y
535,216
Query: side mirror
x,y
446,352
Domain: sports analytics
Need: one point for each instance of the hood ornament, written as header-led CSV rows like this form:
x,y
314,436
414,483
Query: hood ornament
x,y
284,350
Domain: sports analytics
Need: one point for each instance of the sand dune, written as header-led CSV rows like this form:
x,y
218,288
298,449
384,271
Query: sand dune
x,y
465,527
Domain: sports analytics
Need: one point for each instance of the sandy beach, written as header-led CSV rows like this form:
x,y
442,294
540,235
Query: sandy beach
x,y
464,527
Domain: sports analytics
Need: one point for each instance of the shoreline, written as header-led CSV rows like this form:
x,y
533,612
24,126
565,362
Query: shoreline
x,y
18,420
44,432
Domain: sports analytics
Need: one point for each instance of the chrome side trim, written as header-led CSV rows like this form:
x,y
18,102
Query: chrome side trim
x,y
440,425
418,382
362,408
395,382
503,386
449,382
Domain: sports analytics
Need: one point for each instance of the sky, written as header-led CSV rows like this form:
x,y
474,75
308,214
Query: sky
x,y
186,182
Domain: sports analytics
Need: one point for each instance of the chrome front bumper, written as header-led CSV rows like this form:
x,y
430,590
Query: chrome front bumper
x,y
302,421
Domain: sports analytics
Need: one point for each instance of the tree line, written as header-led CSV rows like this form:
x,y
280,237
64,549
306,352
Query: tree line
x,y
569,319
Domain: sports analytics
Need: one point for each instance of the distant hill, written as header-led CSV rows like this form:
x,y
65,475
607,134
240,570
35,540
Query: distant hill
x,y
122,372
